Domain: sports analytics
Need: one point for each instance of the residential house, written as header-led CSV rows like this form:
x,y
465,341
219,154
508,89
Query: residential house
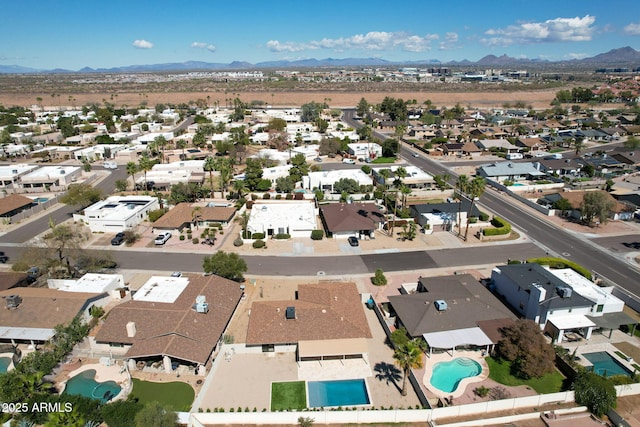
x,y
415,177
117,213
559,167
559,301
499,144
508,171
295,218
575,198
364,150
13,204
93,283
343,220
51,178
184,215
450,312
532,143
165,175
443,216
10,174
171,321
325,180
325,320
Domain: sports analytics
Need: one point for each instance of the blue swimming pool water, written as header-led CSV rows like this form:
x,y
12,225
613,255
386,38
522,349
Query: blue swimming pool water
x,y
447,375
606,365
4,364
40,200
517,184
337,393
85,385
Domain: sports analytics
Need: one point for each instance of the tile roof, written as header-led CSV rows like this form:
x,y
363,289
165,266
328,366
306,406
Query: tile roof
x,y
339,217
175,329
13,202
182,213
468,302
576,198
323,311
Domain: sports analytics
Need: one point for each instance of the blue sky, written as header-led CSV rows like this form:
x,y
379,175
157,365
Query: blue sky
x,y
73,34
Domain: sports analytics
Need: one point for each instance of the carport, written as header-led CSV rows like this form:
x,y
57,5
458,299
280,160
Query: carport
x,y
613,321
456,338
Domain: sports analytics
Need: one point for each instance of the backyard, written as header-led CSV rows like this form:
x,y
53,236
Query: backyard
x,y
176,396
288,395
499,371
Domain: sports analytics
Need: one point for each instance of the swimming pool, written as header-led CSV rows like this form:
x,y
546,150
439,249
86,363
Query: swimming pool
x,y
447,375
40,200
4,364
606,365
85,385
337,393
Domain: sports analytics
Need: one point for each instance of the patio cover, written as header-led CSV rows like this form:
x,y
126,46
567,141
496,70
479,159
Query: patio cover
x,y
573,321
612,320
457,337
26,334
337,347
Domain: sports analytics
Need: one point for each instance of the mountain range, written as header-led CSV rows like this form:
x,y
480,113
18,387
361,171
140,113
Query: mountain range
x,y
622,57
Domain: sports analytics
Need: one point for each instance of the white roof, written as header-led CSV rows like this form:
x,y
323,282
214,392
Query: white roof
x,y
584,286
570,321
295,215
15,170
26,334
161,289
457,337
46,172
90,282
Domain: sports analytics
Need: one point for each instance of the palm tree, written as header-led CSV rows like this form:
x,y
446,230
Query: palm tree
x,y
223,165
405,191
210,166
239,186
195,214
407,357
462,185
475,190
145,164
181,144
161,142
132,168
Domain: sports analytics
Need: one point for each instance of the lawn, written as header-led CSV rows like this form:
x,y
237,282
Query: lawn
x,y
384,160
500,372
288,395
174,395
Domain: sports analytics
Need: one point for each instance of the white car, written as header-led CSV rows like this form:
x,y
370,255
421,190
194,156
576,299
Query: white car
x,y
162,238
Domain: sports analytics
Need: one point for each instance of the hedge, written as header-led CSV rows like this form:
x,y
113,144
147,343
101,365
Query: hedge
x,y
317,234
502,227
562,263
259,244
282,236
484,216
257,236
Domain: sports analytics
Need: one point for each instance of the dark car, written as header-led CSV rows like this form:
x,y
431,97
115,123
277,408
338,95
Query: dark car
x,y
3,258
118,239
353,241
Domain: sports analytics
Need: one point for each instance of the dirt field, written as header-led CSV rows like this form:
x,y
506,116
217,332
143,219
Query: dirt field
x,y
485,99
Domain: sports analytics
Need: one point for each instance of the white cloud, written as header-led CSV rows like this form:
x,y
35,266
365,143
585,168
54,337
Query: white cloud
x,y
576,55
632,29
449,42
374,40
200,45
553,30
142,44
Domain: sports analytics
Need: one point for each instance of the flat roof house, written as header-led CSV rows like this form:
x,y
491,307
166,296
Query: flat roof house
x,y
365,150
296,218
451,311
10,174
117,213
171,320
51,177
325,180
415,177
325,320
442,216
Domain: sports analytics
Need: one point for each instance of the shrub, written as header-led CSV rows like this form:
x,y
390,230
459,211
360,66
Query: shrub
x,y
238,242
195,240
130,237
282,236
379,278
216,225
562,263
254,196
473,220
259,244
278,196
266,196
156,214
484,216
182,237
502,227
289,196
481,391
257,236
317,234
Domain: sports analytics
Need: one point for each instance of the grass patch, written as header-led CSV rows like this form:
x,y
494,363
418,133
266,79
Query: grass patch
x,y
175,395
288,395
500,371
384,160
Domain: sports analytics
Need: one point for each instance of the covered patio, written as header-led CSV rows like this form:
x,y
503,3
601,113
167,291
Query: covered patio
x,y
613,321
337,349
561,327
450,340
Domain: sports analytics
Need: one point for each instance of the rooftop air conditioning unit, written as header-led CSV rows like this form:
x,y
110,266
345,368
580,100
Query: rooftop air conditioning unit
x,y
290,313
201,305
441,305
564,291
13,301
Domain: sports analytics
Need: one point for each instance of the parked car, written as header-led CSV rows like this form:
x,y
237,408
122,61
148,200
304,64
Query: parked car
x,y
349,161
416,155
118,239
3,258
317,159
176,274
162,238
353,241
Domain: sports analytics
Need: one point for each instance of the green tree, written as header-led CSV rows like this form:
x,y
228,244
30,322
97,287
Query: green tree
x,y
408,356
299,167
121,184
154,415
524,345
161,143
132,169
285,184
310,112
225,167
588,170
379,278
399,337
595,392
632,143
145,164
227,265
119,413
473,190
562,204
363,108
596,205
81,195
277,124
253,173
210,166
578,144
186,192
346,185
